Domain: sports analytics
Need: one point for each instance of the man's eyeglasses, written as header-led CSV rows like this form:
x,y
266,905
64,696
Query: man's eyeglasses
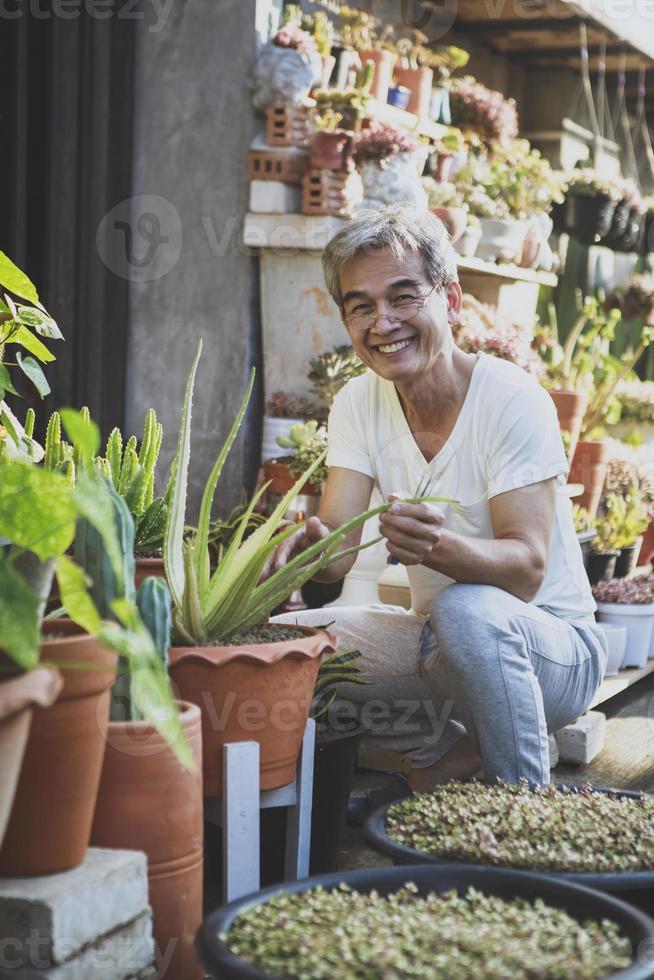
x,y
363,317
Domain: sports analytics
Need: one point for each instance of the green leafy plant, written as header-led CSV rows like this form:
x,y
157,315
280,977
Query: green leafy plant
x,y
312,450
627,516
210,606
330,371
582,519
341,667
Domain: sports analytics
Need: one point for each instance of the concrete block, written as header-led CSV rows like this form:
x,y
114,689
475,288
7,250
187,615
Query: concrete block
x,y
125,954
274,197
581,741
62,913
554,752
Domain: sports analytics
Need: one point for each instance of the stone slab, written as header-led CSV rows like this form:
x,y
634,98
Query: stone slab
x,y
274,197
126,954
62,913
581,741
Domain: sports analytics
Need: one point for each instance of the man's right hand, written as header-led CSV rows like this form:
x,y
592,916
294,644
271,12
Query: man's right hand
x,y
306,535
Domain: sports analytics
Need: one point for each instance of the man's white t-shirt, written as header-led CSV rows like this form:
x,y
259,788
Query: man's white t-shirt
x,y
506,436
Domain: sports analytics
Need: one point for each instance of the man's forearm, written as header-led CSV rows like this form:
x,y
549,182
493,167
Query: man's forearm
x,y
336,570
506,563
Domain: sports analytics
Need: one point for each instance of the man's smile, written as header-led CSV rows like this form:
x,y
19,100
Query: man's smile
x,y
394,348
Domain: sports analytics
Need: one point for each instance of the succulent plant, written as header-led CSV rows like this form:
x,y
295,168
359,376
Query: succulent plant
x,y
582,519
489,114
341,934
636,591
379,141
283,406
636,399
330,371
482,328
307,453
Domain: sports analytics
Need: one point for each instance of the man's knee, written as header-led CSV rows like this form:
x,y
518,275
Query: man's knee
x,y
460,617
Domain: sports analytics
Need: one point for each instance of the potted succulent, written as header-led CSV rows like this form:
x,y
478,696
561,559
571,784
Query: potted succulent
x,y
629,515
482,328
444,60
328,372
223,644
286,68
449,154
446,202
413,71
340,114
589,206
629,602
390,161
320,28
306,440
389,922
484,113
282,413
604,550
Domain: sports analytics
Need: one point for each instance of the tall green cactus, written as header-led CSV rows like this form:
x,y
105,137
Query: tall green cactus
x,y
153,601
59,454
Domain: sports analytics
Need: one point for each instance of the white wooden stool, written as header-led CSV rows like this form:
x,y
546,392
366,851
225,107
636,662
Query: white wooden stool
x,y
238,813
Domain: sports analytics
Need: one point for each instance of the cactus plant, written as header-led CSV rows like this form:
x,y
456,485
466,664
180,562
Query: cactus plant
x,y
331,370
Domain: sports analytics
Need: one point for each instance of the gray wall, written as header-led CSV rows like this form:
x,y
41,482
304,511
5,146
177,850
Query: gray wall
x,y
193,126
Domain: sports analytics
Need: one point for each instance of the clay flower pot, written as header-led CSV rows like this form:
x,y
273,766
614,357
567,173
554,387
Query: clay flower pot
x,y
281,480
18,697
419,82
145,567
331,151
381,81
589,467
50,823
148,802
570,408
259,693
454,219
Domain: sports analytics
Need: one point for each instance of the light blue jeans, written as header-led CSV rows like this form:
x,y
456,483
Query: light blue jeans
x,y
506,672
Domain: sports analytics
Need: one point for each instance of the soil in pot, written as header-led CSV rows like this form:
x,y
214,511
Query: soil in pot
x,y
259,691
50,823
440,923
600,566
627,560
589,468
19,695
148,802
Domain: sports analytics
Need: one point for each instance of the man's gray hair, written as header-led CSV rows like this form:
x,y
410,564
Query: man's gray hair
x,y
399,228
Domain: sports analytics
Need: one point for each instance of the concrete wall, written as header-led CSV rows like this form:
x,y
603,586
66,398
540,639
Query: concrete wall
x,y
193,278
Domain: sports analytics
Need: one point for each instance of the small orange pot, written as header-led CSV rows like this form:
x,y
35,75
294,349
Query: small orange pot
x,y
18,697
256,693
50,823
282,481
331,151
381,81
589,467
570,409
148,802
454,219
419,82
148,566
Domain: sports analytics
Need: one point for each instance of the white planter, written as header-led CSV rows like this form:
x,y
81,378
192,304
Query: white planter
x,y
284,75
616,642
393,181
467,244
639,621
273,427
501,240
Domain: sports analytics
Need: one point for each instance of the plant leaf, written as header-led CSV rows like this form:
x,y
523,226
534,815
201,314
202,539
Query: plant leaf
x,y
5,381
75,596
19,619
82,432
25,339
37,509
40,321
16,281
34,372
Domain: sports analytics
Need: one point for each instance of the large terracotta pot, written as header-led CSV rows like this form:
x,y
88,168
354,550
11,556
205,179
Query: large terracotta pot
x,y
419,82
647,547
381,81
589,467
331,151
570,408
18,697
50,823
148,802
256,693
145,567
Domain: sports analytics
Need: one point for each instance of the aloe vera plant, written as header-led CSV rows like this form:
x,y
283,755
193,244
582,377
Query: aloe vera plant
x,y
211,606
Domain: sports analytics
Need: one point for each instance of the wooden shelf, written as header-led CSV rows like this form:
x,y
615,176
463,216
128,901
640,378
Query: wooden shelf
x,y
390,114
620,682
505,270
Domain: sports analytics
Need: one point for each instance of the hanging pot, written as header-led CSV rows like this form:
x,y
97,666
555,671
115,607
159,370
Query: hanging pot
x,y
619,223
629,241
589,468
260,692
383,61
148,801
588,217
19,695
331,151
50,824
570,409
647,239
419,82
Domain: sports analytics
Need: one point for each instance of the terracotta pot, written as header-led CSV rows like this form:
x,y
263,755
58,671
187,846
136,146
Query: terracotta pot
x,y
570,408
589,467
529,254
331,151
257,693
454,219
148,802
647,547
418,81
50,824
145,567
281,478
18,697
381,80
441,166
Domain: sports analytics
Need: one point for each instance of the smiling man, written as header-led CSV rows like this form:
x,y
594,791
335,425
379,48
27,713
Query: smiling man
x,y
500,646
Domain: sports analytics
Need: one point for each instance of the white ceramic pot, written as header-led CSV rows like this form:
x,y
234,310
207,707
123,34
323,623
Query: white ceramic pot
x,y
501,240
284,75
467,244
393,181
272,428
616,643
639,622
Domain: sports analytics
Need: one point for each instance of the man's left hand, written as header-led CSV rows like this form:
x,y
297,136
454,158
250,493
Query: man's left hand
x,y
412,531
